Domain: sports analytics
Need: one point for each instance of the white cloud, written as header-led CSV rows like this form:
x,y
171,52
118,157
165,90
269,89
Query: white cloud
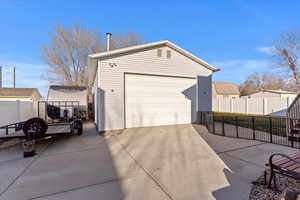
x,y
238,70
246,64
269,50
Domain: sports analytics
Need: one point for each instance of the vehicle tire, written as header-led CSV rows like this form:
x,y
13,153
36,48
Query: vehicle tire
x,y
79,131
35,127
77,126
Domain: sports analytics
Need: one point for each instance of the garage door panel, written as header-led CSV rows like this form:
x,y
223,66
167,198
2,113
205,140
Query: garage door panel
x,y
156,107
154,120
158,100
157,91
155,100
159,113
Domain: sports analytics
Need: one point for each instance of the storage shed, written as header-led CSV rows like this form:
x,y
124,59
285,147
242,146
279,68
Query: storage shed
x,y
70,93
149,85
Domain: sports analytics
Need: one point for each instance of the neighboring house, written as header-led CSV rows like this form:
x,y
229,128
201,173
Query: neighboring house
x,y
274,93
22,94
225,89
69,93
149,85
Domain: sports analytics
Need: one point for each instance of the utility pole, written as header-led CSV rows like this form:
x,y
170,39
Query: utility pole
x,y
14,77
0,77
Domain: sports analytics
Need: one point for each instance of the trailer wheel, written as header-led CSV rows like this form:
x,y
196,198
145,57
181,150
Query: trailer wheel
x,y
35,127
77,126
79,131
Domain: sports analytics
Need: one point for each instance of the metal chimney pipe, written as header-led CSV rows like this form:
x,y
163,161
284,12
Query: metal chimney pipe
x,y
14,77
0,77
108,41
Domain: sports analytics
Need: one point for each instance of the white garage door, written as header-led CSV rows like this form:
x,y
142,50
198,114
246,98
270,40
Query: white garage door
x,y
159,100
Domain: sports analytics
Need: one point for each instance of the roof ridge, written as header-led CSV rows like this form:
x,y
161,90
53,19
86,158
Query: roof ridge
x,y
226,88
106,54
152,44
15,92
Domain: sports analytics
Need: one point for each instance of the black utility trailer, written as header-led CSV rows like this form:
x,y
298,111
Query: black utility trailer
x,y
59,111
37,128
54,119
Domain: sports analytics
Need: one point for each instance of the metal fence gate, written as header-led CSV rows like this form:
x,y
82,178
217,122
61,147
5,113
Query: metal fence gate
x,y
269,129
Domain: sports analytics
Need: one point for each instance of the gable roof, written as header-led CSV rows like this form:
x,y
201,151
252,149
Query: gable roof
x,y
64,88
18,92
137,48
279,91
226,88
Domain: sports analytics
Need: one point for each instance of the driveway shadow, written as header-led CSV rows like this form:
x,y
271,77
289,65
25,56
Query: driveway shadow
x,y
76,167
182,163
244,159
238,172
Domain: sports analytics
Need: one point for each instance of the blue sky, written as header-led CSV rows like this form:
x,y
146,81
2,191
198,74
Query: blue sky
x,y
234,35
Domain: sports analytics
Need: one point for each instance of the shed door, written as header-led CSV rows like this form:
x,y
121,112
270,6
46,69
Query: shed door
x,y
159,100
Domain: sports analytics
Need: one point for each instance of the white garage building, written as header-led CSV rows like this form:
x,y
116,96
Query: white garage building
x,y
149,85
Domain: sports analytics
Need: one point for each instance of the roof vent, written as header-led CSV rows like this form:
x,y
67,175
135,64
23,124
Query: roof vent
x,y
108,41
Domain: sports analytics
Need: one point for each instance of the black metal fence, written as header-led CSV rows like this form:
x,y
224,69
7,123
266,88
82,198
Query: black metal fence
x,y
58,110
261,128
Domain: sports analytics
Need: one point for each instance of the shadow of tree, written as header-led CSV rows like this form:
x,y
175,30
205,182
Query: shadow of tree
x,y
238,173
67,167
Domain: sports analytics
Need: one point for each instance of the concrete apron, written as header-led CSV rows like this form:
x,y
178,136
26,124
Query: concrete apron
x,y
190,163
167,162
85,167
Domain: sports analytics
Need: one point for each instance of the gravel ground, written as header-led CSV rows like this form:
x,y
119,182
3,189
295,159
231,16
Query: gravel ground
x,y
260,191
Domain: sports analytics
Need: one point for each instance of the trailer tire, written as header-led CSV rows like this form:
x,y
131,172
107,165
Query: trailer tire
x,y
35,127
79,131
77,126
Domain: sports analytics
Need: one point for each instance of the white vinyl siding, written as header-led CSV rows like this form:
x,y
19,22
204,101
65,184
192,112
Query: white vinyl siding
x,y
96,104
111,80
81,96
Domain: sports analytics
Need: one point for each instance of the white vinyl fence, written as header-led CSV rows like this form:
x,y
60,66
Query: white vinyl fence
x,y
258,105
16,111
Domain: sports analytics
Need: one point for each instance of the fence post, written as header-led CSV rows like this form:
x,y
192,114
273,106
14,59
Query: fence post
x,y
236,126
223,128
213,123
289,101
247,105
271,130
253,127
200,115
38,109
265,106
292,133
18,110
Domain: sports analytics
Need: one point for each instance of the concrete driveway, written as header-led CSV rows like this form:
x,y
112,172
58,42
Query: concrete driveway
x,y
168,162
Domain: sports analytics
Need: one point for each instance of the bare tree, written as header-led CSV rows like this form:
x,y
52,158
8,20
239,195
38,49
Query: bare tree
x,y
129,39
250,85
256,82
272,81
67,55
290,85
286,54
